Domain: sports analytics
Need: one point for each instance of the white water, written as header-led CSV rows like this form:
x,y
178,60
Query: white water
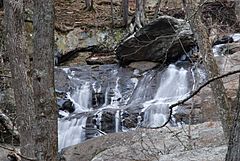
x,y
70,132
80,97
173,87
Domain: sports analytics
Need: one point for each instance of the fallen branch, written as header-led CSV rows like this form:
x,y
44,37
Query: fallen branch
x,y
71,54
100,131
16,153
193,94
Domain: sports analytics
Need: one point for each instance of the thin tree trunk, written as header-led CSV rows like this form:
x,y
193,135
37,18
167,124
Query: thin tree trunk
x,y
125,12
218,89
140,13
233,153
43,82
21,82
89,5
237,12
112,13
157,9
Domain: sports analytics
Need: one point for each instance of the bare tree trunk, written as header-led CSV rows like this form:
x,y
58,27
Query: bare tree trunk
x,y
219,94
112,13
237,12
233,153
19,64
89,5
43,82
37,114
157,9
140,13
125,12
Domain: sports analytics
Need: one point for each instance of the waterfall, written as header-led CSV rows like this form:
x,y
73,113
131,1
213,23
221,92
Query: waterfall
x,y
80,97
112,99
173,86
70,132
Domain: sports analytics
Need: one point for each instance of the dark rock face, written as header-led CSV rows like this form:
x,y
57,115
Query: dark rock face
x,y
68,106
224,40
165,39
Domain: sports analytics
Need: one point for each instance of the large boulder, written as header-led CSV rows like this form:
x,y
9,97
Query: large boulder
x,y
148,144
164,39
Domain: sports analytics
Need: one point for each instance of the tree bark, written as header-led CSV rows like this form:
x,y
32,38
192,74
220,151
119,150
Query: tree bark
x,y
33,89
21,82
140,13
89,5
233,153
125,12
237,12
43,81
218,89
157,9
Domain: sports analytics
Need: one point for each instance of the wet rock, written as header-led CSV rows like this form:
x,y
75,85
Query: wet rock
x,y
97,100
228,49
68,106
143,65
101,59
130,120
224,40
159,41
108,121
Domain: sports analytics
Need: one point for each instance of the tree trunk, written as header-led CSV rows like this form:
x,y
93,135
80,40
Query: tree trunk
x,y
89,5
21,82
237,12
233,153
157,9
140,13
43,81
33,89
125,12
217,86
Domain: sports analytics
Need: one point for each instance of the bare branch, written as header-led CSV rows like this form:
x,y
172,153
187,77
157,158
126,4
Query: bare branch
x,y
193,94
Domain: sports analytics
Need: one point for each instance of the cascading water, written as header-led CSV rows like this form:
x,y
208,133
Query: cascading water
x,y
112,99
70,132
173,86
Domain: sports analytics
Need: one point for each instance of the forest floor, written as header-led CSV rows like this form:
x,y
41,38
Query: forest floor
x,y
72,13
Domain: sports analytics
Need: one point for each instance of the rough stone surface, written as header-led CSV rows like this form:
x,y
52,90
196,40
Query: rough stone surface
x,y
161,40
143,65
147,144
204,154
101,59
81,38
3,154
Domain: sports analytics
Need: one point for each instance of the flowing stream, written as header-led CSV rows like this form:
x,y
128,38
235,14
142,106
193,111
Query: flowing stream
x,y
111,99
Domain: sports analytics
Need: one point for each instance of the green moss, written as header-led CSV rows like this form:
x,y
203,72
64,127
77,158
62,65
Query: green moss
x,y
119,35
